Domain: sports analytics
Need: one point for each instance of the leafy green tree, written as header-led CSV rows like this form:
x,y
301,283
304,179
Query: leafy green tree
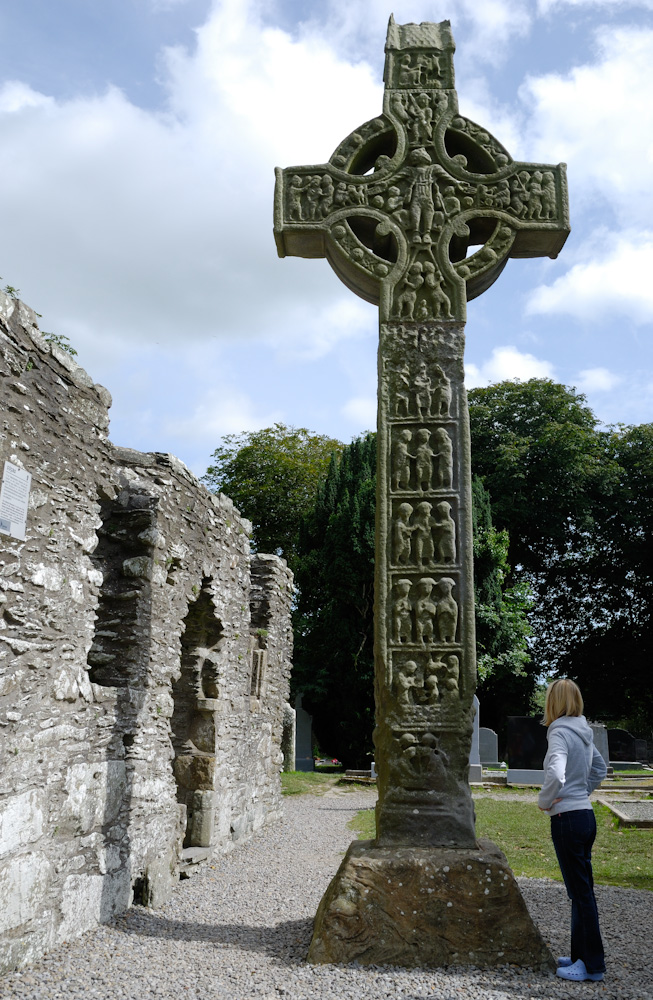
x,y
506,680
272,475
577,501
610,647
334,621
537,449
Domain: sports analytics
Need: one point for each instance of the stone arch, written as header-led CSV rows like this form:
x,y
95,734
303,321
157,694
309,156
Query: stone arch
x,y
196,693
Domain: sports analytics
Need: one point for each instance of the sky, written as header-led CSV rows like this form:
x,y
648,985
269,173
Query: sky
x,y
138,140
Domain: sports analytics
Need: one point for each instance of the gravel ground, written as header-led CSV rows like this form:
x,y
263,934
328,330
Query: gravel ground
x,y
240,929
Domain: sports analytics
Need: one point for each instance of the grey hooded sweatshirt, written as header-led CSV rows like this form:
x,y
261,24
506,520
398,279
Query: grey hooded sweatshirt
x,y
573,767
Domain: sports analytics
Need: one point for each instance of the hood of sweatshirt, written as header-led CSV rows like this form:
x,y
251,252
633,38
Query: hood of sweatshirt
x,y
577,723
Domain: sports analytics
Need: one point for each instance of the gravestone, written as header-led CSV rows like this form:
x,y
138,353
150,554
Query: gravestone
x,y
527,748
624,749
289,738
396,211
475,767
304,760
488,744
601,740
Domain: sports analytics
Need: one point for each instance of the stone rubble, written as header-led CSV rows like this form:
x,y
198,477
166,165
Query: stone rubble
x,y
240,929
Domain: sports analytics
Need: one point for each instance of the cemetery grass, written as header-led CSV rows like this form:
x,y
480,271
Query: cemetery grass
x,y
620,856
307,782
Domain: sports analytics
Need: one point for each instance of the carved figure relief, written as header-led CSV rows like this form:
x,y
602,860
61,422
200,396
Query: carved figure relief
x,y
402,613
431,686
407,297
421,294
440,301
443,458
405,682
444,531
425,610
401,461
417,69
401,534
441,400
423,548
422,759
424,456
401,387
425,208
446,612
295,191
433,464
420,686
452,676
422,540
425,393
422,386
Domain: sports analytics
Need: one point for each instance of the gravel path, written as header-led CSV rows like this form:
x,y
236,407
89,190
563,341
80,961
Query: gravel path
x,y
240,929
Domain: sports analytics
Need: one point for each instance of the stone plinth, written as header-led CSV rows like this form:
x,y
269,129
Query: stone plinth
x,y
426,906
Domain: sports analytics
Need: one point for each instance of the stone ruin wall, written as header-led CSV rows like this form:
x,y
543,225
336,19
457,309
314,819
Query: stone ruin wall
x,y
144,662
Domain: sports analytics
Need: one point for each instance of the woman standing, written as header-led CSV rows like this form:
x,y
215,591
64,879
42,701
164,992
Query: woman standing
x,y
573,768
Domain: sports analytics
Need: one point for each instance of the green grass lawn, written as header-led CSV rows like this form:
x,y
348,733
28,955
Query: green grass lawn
x,y
303,782
621,856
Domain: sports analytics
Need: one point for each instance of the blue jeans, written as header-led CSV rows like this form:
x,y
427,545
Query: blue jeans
x,y
573,834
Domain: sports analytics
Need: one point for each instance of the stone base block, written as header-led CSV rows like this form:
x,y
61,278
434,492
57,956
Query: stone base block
x,y
525,776
426,906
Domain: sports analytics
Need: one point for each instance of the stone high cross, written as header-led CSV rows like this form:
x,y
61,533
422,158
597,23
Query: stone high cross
x,y
395,211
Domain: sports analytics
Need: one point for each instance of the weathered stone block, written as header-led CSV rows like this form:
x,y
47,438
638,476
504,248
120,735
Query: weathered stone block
x,y
91,899
417,906
94,794
21,820
23,883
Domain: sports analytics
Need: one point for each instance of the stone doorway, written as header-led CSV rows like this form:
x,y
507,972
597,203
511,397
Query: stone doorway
x,y
196,694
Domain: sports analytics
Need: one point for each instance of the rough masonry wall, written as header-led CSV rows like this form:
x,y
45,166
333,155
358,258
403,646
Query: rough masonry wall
x,y
144,662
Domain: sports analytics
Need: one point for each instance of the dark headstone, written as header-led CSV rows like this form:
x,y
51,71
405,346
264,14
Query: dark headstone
x,y
526,743
622,745
303,738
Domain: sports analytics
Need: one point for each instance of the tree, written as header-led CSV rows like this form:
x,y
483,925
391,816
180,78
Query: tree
x,y
506,685
272,475
537,449
577,500
334,621
611,646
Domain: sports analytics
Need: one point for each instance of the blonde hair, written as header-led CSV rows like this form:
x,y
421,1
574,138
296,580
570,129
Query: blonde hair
x,y
563,697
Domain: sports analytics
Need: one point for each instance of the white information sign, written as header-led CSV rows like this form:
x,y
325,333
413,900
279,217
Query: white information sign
x,y
14,497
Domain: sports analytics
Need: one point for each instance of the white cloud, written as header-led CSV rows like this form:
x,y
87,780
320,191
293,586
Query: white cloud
x,y
221,410
16,96
598,118
597,380
611,278
546,6
361,410
358,30
507,363
158,226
